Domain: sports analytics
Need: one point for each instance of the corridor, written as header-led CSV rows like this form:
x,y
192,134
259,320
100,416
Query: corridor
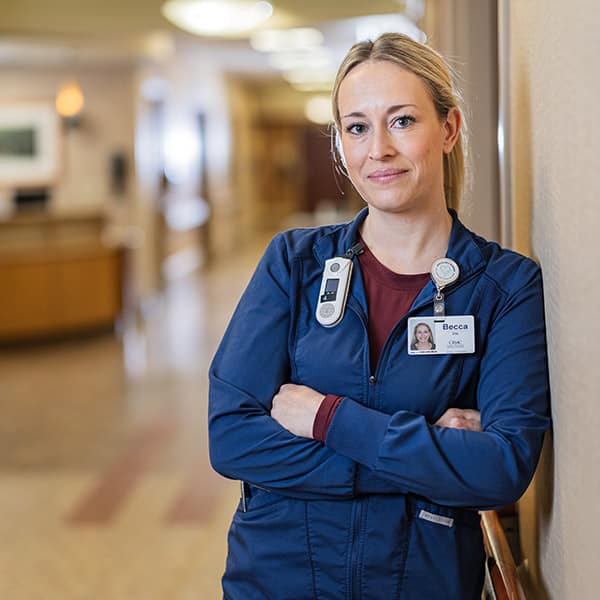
x,y
145,162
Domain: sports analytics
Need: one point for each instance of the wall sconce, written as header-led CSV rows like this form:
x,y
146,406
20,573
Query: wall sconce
x,y
69,103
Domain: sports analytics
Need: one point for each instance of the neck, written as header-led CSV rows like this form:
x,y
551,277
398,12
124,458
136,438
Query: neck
x,y
407,243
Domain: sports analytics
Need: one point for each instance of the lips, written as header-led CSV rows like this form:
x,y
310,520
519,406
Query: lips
x,y
386,175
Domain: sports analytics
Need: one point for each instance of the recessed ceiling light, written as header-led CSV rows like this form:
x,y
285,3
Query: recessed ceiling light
x,y
218,18
286,40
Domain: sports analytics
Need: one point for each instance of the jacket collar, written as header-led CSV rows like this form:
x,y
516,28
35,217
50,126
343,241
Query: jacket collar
x,y
340,239
462,247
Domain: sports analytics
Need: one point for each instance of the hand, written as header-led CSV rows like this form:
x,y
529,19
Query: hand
x,y
295,408
460,418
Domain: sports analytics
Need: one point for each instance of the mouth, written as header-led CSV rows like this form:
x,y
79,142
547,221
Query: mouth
x,y
386,175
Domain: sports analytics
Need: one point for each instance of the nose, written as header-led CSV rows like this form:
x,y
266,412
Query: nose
x,y
381,144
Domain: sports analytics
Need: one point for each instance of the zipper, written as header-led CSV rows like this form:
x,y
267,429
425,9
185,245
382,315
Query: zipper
x,y
354,587
356,308
358,506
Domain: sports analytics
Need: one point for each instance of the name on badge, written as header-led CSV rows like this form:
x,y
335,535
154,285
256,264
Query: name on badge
x,y
441,335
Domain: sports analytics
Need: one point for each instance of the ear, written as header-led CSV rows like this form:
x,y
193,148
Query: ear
x,y
451,128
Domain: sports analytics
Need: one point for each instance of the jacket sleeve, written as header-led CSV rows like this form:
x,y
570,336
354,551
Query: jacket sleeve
x,y
250,365
481,470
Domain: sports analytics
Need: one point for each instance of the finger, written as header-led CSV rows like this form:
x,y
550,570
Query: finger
x,y
472,414
458,422
472,425
475,426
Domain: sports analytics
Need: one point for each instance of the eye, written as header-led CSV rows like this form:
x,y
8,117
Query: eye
x,y
403,122
356,128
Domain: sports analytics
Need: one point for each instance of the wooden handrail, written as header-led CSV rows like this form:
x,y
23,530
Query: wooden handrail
x,y
500,562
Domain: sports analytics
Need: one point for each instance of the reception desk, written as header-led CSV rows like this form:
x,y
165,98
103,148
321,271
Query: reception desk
x,y
58,276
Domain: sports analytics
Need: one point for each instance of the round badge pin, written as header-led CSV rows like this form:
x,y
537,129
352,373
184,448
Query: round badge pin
x,y
444,271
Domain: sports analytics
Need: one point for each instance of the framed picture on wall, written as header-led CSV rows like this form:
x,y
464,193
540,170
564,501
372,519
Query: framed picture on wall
x,y
29,144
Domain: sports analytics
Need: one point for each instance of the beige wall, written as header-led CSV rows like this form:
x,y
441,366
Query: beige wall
x,y
464,31
107,126
555,157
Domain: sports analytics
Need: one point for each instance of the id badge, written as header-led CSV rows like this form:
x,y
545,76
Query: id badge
x,y
441,335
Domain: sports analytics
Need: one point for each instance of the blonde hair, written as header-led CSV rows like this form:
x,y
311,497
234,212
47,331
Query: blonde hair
x,y
437,76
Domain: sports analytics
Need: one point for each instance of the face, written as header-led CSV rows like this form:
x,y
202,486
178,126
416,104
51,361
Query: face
x,y
423,334
393,139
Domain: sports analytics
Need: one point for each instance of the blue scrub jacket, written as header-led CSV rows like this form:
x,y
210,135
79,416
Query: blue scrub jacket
x,y
387,507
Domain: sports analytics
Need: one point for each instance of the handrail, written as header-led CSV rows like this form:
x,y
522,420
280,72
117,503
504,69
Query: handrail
x,y
500,563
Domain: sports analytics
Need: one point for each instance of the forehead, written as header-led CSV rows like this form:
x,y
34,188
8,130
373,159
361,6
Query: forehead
x,y
379,84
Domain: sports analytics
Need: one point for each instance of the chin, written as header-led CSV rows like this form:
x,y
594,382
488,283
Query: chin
x,y
395,206
396,203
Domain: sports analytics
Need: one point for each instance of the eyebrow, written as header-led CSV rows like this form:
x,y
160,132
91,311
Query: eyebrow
x,y
389,111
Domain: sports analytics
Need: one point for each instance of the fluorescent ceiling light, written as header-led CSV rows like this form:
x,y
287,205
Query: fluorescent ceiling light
x,y
286,40
213,17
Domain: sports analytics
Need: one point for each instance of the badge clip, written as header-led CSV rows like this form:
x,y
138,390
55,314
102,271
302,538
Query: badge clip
x,y
444,271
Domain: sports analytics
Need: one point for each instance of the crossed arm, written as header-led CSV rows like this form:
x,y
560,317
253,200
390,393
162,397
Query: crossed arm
x,y
295,408
260,426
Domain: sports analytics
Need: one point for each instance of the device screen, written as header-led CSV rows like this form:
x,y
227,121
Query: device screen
x,y
331,288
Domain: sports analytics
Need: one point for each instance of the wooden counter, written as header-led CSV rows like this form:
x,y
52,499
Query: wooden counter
x,y
57,276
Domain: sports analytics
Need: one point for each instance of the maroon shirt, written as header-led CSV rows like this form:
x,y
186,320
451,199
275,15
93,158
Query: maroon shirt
x,y
389,297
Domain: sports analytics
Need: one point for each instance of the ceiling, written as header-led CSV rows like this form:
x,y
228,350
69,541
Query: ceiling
x,y
40,33
123,18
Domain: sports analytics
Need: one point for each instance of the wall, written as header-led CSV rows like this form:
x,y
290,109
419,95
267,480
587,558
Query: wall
x,y
555,188
106,127
464,31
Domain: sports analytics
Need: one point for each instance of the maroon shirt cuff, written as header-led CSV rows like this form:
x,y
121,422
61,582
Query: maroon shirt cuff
x,y
324,416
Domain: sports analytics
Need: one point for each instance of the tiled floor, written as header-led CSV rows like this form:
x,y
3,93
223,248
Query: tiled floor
x,y
105,488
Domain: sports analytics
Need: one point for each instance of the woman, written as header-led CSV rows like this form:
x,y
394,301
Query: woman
x,y
364,466
422,338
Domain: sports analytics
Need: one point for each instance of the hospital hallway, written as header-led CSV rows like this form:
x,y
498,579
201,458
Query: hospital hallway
x,y
106,486
150,149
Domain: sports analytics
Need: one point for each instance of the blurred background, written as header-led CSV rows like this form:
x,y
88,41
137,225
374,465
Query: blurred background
x,y
149,149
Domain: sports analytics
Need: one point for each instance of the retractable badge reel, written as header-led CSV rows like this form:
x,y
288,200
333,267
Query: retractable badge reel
x,y
444,271
441,334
